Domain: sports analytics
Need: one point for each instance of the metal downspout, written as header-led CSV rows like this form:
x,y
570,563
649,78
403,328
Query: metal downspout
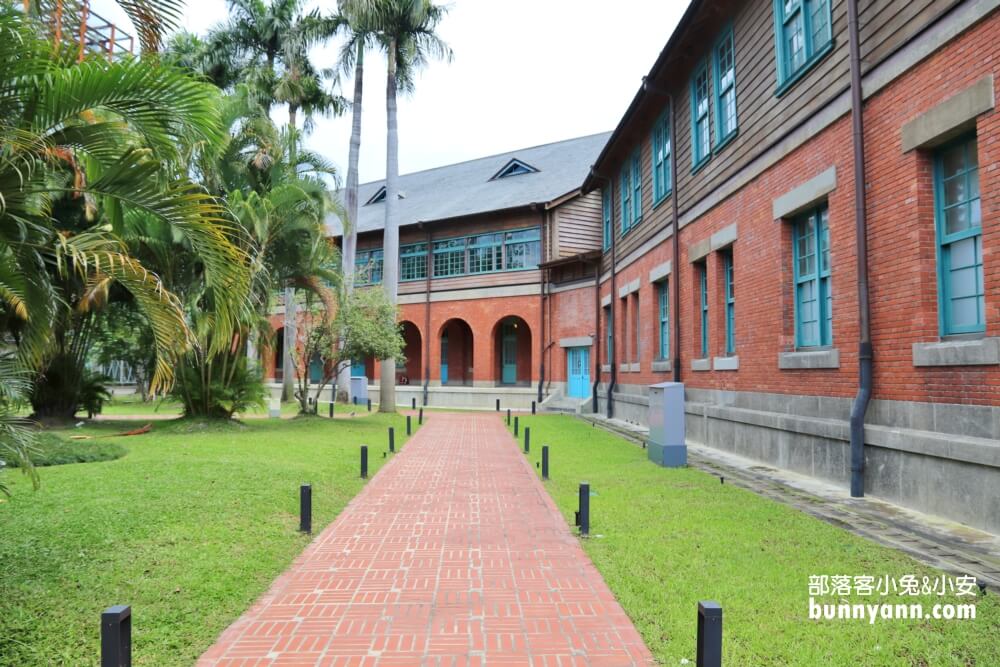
x,y
613,349
546,226
865,352
427,317
675,277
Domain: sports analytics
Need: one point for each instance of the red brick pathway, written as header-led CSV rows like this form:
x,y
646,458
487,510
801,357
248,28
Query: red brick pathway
x,y
453,554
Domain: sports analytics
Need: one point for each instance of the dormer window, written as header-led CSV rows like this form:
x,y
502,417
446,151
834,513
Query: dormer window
x,y
514,168
379,196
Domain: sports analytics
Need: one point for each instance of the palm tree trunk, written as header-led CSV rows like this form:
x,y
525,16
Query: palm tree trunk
x,y
351,202
390,242
287,365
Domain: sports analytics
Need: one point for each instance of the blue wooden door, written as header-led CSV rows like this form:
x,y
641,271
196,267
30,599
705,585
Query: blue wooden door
x,y
578,365
444,359
508,354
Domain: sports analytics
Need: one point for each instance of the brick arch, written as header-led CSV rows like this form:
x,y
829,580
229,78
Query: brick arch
x,y
456,347
413,353
518,328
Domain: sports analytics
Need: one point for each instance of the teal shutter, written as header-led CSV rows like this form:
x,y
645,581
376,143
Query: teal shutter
x,y
958,216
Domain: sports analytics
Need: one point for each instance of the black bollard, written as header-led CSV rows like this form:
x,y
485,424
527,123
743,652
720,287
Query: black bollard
x,y
413,402
584,521
116,636
331,409
498,405
369,405
516,427
392,439
364,461
354,399
545,461
305,508
709,652
508,416
527,439
409,427
532,407
420,418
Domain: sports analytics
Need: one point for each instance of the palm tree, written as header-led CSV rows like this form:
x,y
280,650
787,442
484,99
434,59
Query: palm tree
x,y
86,149
356,18
406,32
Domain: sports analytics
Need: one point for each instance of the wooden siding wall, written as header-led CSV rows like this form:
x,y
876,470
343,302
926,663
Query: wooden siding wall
x,y
578,226
764,119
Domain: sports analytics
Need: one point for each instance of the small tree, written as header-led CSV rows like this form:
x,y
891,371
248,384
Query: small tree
x,y
365,322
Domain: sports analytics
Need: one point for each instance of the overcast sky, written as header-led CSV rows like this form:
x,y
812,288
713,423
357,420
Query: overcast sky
x,y
525,72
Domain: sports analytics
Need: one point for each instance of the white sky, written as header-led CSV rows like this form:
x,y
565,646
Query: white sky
x,y
525,72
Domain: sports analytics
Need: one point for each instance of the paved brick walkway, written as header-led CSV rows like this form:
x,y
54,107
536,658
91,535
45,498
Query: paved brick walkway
x,y
453,554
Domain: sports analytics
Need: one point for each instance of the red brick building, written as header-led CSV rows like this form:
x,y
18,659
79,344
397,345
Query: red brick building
x,y
840,326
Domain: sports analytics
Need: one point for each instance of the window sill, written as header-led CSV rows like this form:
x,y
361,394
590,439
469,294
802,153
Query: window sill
x,y
661,200
718,148
698,166
605,368
701,364
628,368
663,366
784,86
809,359
974,352
726,363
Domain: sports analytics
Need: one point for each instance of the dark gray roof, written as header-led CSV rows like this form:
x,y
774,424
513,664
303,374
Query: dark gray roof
x,y
465,188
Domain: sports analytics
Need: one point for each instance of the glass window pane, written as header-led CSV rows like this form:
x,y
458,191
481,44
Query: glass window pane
x,y
957,219
955,190
952,161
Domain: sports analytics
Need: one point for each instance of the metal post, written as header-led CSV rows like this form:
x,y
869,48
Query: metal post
x,y
413,402
545,461
498,405
354,399
420,418
331,409
409,427
527,439
709,634
584,520
364,461
369,405
508,416
516,426
116,636
532,407
305,508
392,439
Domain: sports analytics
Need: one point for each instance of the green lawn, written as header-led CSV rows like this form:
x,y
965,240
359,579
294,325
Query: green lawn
x,y
190,527
665,539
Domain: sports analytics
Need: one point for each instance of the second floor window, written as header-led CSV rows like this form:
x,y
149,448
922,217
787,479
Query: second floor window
x,y
523,249
701,140
725,88
485,253
811,258
802,35
449,258
631,189
661,159
413,261
606,213
368,266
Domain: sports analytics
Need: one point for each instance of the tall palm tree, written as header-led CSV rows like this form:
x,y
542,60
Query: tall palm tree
x,y
406,33
358,20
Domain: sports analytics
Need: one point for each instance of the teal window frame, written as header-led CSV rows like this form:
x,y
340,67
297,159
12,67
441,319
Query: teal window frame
x,y
530,238
626,198
368,266
724,88
812,21
662,147
631,192
811,264
965,183
413,262
663,319
607,213
609,335
516,245
701,121
449,257
703,306
485,253
728,276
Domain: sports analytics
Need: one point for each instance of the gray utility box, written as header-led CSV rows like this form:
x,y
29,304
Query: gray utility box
x,y
359,390
666,424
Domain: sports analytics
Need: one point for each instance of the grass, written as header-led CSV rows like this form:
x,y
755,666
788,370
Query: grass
x,y
190,527
669,538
